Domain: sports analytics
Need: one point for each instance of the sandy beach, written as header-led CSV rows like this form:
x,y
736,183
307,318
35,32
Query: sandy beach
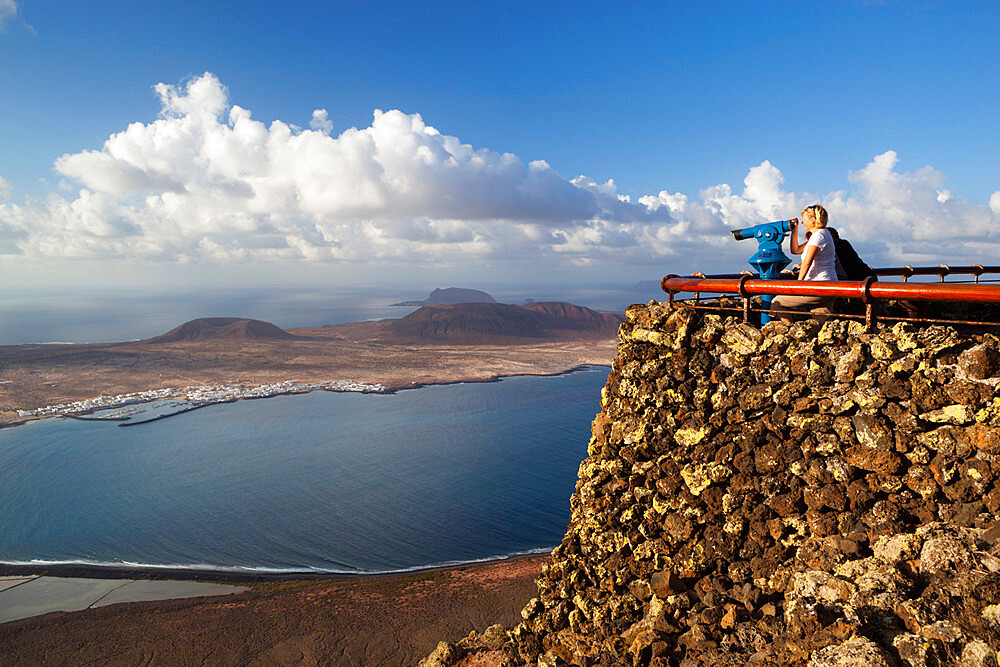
x,y
357,620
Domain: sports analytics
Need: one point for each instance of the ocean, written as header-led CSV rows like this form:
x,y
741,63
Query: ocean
x,y
318,482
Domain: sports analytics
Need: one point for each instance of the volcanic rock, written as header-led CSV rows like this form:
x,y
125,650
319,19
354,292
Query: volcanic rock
x,y
797,494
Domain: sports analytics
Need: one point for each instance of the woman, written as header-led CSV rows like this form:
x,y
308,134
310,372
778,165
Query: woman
x,y
819,260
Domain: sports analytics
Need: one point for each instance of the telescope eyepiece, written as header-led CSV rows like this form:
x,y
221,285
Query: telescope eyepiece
x,y
737,234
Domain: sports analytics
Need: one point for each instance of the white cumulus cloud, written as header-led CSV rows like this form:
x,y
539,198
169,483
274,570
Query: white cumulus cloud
x,y
891,217
321,122
910,217
207,181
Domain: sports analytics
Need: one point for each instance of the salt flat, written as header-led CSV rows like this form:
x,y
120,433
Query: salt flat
x,y
24,597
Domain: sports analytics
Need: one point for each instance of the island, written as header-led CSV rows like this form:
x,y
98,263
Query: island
x,y
233,358
451,295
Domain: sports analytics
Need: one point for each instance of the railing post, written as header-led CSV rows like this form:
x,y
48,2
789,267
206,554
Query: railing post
x,y
746,298
698,274
663,284
866,297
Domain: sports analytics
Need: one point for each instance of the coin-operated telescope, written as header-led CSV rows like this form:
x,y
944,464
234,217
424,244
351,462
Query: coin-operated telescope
x,y
769,259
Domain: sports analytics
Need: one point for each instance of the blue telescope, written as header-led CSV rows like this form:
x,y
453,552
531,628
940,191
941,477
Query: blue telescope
x,y
769,259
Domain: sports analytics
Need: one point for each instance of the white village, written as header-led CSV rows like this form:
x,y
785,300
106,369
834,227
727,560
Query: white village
x,y
203,395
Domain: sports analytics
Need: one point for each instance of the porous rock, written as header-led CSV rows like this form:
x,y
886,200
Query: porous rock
x,y
855,652
794,495
980,361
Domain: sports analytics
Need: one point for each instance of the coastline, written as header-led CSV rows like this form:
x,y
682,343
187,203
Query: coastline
x,y
497,378
238,575
33,377
116,565
361,617
371,620
383,391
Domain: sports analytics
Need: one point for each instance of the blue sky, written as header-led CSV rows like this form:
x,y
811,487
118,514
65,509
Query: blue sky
x,y
885,111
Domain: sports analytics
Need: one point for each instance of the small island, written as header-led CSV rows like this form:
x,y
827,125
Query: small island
x,y
451,295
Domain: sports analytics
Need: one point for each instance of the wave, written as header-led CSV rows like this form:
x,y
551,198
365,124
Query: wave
x,y
265,570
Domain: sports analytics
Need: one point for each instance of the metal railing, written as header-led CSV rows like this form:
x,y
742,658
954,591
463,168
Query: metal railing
x,y
941,270
871,292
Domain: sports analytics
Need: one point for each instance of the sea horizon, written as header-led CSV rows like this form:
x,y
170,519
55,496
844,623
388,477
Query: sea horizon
x,y
83,316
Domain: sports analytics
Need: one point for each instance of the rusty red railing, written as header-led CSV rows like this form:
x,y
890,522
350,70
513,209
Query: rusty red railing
x,y
870,291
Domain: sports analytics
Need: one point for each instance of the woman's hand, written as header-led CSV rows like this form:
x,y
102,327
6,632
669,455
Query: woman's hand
x,y
794,245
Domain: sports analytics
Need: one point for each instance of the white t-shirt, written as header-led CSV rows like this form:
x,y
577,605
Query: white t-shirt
x,y
824,264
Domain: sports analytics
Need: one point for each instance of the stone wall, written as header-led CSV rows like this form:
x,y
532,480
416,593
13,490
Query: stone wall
x,y
779,496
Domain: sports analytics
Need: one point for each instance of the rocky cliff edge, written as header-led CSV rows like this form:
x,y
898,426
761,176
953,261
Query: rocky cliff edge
x,y
804,494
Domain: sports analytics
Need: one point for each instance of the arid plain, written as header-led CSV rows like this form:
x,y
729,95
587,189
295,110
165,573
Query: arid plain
x,y
372,620
38,375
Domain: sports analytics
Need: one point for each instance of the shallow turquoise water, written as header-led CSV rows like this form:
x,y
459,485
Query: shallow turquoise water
x,y
326,481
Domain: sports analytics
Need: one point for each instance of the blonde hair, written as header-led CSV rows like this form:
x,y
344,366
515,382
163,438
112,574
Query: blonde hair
x,y
818,215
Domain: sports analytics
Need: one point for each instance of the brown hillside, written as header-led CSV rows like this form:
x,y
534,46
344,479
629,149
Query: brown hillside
x,y
499,321
476,320
579,318
231,328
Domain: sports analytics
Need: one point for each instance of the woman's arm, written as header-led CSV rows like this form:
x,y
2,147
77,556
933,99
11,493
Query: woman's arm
x,y
796,247
807,260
